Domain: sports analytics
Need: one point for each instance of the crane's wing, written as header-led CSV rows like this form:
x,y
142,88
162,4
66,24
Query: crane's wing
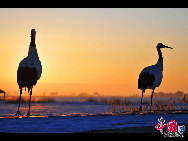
x,y
32,62
151,76
146,80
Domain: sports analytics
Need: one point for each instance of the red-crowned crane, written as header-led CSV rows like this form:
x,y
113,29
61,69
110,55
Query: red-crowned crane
x,y
151,76
29,70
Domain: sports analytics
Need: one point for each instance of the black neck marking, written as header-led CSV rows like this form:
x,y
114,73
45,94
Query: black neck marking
x,y
32,43
160,54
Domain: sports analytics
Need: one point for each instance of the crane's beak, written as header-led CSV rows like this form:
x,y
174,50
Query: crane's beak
x,y
167,47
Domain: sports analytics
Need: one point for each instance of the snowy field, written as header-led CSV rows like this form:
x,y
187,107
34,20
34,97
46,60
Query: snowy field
x,y
83,116
70,124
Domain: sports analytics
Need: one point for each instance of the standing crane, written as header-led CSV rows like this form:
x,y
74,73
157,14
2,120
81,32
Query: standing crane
x,y
29,71
151,76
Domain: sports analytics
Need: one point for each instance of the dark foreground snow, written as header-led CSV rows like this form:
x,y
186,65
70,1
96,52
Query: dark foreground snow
x,y
70,124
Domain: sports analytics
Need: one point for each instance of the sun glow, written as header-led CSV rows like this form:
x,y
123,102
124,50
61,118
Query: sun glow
x,y
94,50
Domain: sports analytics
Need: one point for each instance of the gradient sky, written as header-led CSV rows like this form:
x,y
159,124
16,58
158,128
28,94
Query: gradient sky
x,y
94,50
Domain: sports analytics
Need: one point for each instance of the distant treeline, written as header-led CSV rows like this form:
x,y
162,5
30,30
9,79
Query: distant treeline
x,y
23,100
178,94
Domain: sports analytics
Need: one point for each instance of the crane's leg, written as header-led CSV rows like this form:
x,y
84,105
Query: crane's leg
x,y
28,114
151,99
18,112
140,108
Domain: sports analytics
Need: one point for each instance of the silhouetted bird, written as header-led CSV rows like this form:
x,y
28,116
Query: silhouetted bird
x,y
151,76
29,70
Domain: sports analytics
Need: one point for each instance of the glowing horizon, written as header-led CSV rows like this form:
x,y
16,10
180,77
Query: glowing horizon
x,y
94,50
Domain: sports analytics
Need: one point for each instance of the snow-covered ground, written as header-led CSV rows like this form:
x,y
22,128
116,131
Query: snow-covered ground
x,y
69,124
56,123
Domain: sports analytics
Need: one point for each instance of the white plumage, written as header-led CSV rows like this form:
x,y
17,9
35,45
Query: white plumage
x,y
32,61
157,71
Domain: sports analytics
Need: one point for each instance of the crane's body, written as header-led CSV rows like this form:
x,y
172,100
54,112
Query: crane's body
x,y
151,76
29,70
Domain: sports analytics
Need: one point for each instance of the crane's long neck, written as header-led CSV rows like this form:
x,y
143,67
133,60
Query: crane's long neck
x,y
32,49
32,43
160,60
160,54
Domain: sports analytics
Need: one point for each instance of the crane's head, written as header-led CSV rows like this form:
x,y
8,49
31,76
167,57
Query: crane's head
x,y
33,33
160,45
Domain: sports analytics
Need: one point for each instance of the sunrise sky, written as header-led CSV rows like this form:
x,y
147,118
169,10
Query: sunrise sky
x,y
94,50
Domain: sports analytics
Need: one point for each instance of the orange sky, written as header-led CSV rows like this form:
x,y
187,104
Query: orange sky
x,y
94,50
